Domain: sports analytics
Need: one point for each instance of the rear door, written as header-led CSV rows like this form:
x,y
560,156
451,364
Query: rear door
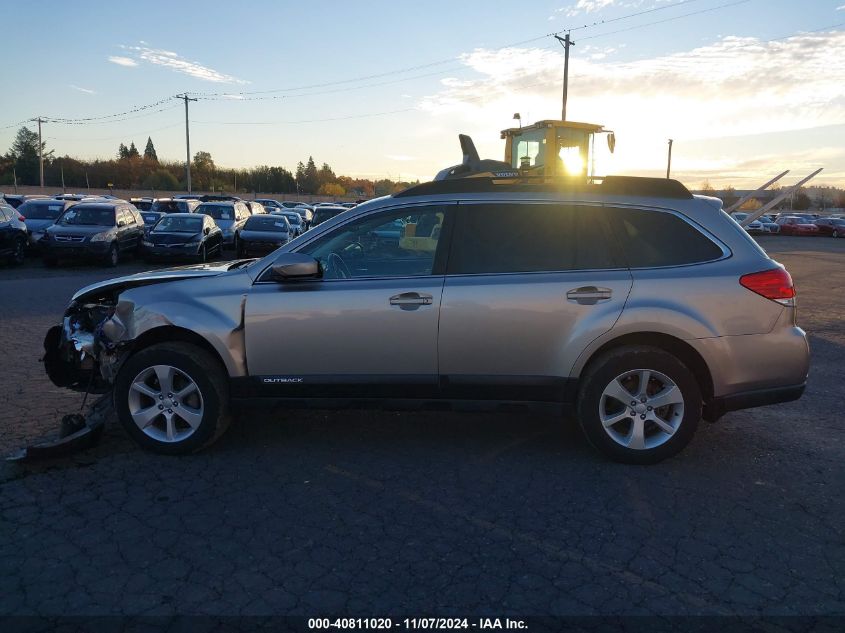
x,y
6,229
528,286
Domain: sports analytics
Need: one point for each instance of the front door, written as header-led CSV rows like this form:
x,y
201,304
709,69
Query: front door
x,y
369,326
529,285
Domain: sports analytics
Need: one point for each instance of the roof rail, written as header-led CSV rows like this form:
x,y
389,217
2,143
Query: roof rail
x,y
610,185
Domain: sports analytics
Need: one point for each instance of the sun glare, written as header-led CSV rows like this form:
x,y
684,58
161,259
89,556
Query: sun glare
x,y
572,161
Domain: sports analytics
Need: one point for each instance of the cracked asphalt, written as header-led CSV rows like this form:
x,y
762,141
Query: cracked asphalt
x,y
379,514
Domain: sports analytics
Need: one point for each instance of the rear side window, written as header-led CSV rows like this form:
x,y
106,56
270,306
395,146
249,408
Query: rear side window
x,y
519,238
654,238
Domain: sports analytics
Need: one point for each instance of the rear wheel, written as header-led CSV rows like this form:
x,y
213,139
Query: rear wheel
x,y
172,398
639,404
835,233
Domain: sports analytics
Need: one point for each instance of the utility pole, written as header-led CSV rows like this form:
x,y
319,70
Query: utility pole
x,y
669,162
566,43
15,176
62,167
40,154
87,183
187,138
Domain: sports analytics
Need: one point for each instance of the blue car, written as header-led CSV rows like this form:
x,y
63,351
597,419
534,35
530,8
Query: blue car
x,y
230,216
39,214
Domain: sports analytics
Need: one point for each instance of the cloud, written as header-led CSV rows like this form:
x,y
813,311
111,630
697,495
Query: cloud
x,y
400,157
585,6
85,90
175,62
842,8
122,61
732,87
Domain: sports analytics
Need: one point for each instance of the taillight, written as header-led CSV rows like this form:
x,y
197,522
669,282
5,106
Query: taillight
x,y
21,218
775,284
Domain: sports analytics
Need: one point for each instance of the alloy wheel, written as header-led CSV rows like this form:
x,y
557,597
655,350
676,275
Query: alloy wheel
x,y
641,409
166,403
19,254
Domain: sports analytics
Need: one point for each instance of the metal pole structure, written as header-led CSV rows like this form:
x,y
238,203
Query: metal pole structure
x,y
566,43
87,184
40,154
15,176
669,161
187,139
62,168
790,191
748,196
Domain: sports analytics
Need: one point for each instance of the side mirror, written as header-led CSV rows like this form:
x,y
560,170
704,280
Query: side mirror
x,y
611,142
206,230
121,223
295,266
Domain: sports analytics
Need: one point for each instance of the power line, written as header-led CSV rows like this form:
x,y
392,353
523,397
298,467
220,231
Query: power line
x,y
676,17
342,118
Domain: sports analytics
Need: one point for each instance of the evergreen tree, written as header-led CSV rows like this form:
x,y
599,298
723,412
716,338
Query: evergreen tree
x,y
133,151
150,150
24,156
122,152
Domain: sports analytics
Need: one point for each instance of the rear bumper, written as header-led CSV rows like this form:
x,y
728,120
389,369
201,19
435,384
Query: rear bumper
x,y
750,399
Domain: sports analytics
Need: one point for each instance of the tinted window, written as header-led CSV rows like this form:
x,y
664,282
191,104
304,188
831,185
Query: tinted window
x,y
88,216
655,238
39,210
400,243
217,211
266,223
507,238
326,213
178,224
170,206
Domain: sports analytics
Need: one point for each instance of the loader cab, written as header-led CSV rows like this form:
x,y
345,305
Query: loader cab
x,y
556,149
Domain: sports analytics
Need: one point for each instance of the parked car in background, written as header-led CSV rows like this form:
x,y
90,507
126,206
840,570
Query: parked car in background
x,y
74,196
769,224
188,196
101,230
163,206
13,234
255,207
326,212
40,213
230,216
264,233
185,236
307,213
294,219
15,200
754,228
142,204
795,225
831,227
270,204
348,205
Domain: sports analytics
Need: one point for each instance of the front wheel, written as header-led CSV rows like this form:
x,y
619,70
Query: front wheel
x,y
172,398
18,252
639,404
113,257
835,234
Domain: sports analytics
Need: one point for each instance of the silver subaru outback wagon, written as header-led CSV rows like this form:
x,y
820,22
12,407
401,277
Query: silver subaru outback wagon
x,y
633,304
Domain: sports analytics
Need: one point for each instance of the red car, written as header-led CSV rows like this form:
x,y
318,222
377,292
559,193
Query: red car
x,y
833,227
794,225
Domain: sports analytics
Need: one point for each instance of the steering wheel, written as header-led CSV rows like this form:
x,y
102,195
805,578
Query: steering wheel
x,y
336,268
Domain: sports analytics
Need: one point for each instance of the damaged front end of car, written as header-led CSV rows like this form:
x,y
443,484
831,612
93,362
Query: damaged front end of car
x,y
84,353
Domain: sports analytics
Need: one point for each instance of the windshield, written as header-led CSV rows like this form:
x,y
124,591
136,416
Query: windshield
x,y
293,218
88,216
38,210
170,206
266,223
178,225
217,211
323,213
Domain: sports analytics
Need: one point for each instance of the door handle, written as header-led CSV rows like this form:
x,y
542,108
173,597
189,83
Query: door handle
x,y
589,295
407,300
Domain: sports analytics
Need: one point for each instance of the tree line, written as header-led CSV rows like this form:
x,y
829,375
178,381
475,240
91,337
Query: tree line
x,y
131,169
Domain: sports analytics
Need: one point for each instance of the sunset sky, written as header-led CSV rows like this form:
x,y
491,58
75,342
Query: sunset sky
x,y
746,88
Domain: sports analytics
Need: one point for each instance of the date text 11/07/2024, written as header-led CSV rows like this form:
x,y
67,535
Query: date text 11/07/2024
x,y
417,623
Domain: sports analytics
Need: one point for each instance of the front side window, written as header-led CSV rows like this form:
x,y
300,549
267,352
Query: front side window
x,y
88,216
399,243
526,238
655,238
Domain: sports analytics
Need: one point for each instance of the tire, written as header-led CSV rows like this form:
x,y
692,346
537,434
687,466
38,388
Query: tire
x,y
113,256
835,234
240,251
208,404
18,255
657,442
203,254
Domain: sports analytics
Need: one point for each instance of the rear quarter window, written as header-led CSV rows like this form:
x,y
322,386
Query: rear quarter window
x,y
652,239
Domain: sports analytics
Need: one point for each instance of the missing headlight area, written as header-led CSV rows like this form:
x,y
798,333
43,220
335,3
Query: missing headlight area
x,y
85,351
